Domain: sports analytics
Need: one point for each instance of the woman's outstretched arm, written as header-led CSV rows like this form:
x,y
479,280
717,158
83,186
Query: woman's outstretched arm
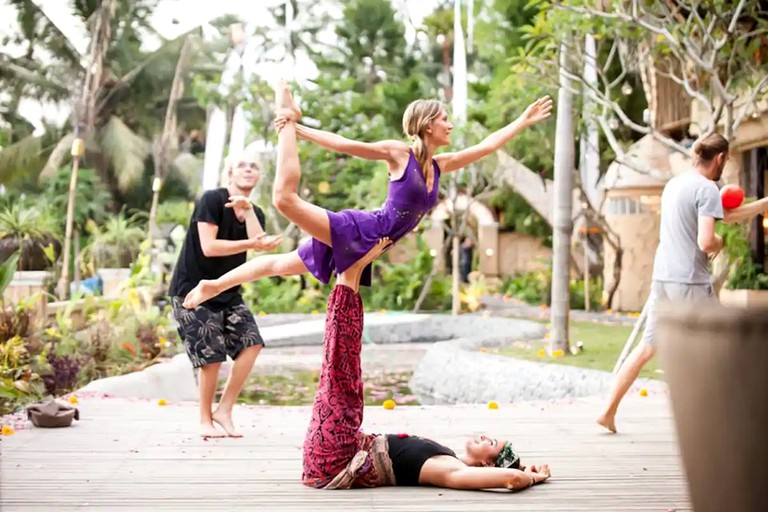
x,y
469,478
453,474
747,211
536,112
387,150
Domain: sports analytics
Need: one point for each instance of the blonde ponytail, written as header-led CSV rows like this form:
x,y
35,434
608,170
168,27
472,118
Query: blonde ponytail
x,y
420,151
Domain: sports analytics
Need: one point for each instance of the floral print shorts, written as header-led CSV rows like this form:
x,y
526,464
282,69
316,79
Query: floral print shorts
x,y
210,336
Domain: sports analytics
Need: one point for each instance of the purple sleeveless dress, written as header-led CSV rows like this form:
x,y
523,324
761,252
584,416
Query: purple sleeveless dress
x,y
355,232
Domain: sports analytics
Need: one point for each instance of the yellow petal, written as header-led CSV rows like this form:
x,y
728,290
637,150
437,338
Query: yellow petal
x,y
542,352
389,404
643,392
73,399
7,431
493,405
162,401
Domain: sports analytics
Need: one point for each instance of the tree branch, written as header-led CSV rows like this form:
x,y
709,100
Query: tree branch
x,y
687,86
745,109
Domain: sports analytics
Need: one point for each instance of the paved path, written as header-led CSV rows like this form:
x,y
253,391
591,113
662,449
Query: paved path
x,y
499,306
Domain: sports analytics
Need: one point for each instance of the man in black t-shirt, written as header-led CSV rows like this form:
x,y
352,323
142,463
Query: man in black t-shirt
x,y
224,226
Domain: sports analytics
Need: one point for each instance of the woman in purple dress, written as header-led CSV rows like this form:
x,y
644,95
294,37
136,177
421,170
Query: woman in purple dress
x,y
341,238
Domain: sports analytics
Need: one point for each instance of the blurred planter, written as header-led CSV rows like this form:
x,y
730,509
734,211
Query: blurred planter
x,y
113,278
744,298
716,364
75,311
33,255
28,283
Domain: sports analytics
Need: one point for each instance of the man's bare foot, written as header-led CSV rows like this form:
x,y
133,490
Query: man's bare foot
x,y
204,290
285,106
209,430
608,422
225,420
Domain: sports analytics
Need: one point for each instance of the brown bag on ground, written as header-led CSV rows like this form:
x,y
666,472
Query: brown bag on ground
x,y
51,414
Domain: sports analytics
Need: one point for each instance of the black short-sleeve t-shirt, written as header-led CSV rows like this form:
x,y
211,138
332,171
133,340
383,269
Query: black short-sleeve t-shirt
x,y
194,266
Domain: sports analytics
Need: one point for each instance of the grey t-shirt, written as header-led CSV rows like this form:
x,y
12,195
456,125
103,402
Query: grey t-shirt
x,y
678,257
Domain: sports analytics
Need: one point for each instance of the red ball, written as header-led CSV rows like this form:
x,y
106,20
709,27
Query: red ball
x,y
732,196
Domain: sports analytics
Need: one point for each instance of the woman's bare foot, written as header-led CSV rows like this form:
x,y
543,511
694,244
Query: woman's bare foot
x,y
285,106
225,420
607,421
209,430
205,289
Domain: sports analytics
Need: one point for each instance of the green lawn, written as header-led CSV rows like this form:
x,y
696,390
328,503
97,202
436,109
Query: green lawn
x,y
602,346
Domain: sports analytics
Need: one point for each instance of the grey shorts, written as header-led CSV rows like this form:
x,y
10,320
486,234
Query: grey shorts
x,y
676,292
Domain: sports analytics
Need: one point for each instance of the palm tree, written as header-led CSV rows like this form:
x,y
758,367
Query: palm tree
x,y
129,98
123,89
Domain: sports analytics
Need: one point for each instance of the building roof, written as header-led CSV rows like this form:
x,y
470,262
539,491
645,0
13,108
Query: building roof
x,y
649,163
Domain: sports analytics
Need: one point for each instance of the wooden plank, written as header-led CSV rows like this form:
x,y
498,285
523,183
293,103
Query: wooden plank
x,y
135,455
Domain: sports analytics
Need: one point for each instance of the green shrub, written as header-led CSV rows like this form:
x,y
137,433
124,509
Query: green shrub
x,y
536,288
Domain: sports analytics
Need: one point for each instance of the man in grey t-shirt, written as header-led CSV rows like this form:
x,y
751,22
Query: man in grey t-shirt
x,y
686,199
690,205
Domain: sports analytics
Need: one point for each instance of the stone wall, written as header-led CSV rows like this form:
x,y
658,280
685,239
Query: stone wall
x,y
519,254
639,233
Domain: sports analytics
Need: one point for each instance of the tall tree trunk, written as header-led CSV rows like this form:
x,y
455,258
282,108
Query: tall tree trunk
x,y
76,243
168,139
563,212
589,167
63,286
85,115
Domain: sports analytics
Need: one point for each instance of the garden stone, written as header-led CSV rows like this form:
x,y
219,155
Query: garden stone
x,y
456,372
172,380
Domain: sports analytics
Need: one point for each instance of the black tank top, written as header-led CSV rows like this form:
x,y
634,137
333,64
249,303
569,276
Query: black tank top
x,y
408,455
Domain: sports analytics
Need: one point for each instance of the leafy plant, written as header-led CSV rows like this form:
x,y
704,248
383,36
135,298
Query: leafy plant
x,y
531,287
471,293
744,274
578,299
175,212
398,286
117,242
517,215
91,197
285,295
64,373
29,229
536,288
7,270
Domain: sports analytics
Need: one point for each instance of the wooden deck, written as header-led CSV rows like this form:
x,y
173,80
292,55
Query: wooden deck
x,y
138,456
